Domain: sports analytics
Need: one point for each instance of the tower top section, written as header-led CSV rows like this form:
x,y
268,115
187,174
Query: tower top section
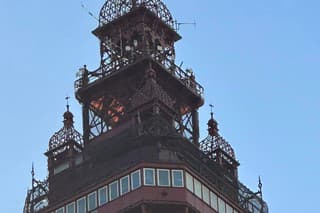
x,y
113,9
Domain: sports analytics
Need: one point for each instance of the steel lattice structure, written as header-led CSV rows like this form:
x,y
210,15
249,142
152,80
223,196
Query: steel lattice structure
x,y
212,143
113,9
66,134
251,201
37,196
131,31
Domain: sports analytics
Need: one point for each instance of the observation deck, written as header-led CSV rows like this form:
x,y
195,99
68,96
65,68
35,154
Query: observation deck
x,y
86,78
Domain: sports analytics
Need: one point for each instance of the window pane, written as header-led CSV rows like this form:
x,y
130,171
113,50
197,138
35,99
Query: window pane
x,y
61,210
113,190
149,177
135,180
229,209
177,178
189,182
81,205
92,201
197,188
214,201
71,208
124,185
205,194
222,206
61,168
103,196
163,177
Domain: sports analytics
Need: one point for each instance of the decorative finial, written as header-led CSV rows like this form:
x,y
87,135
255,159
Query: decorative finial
x,y
32,171
260,186
211,106
67,99
68,116
212,124
32,175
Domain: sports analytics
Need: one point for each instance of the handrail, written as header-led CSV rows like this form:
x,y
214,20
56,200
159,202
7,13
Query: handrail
x,y
118,64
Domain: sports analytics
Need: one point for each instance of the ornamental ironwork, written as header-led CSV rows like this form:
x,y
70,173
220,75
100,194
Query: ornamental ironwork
x,y
66,134
113,9
251,201
37,196
213,143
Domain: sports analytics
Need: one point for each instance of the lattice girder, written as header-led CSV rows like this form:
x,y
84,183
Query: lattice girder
x,y
37,197
135,36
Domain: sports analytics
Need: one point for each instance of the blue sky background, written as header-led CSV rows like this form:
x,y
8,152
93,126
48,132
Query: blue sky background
x,y
258,61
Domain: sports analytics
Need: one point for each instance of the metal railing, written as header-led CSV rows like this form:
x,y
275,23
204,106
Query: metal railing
x,y
187,78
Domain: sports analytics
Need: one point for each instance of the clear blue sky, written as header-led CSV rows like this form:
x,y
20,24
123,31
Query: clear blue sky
x,y
258,61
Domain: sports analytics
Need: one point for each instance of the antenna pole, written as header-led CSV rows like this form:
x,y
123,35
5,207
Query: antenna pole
x,y
88,11
178,24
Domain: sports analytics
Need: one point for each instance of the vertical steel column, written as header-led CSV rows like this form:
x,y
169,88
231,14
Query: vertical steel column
x,y
195,127
85,109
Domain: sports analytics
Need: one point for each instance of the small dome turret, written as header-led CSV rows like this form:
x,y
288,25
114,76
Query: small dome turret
x,y
214,141
65,134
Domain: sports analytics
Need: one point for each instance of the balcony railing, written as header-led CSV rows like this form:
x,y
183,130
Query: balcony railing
x,y
187,78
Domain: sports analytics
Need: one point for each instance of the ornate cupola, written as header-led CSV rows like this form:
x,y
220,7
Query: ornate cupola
x,y
218,149
65,148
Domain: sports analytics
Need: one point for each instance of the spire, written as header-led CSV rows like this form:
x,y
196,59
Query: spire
x,y
213,124
32,175
68,116
260,187
67,99
32,171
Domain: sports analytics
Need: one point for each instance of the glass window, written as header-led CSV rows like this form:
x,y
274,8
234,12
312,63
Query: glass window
x,y
214,201
149,177
163,177
61,168
189,182
177,178
103,195
124,185
135,180
229,209
197,188
71,208
92,201
113,190
222,206
205,194
81,205
61,210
